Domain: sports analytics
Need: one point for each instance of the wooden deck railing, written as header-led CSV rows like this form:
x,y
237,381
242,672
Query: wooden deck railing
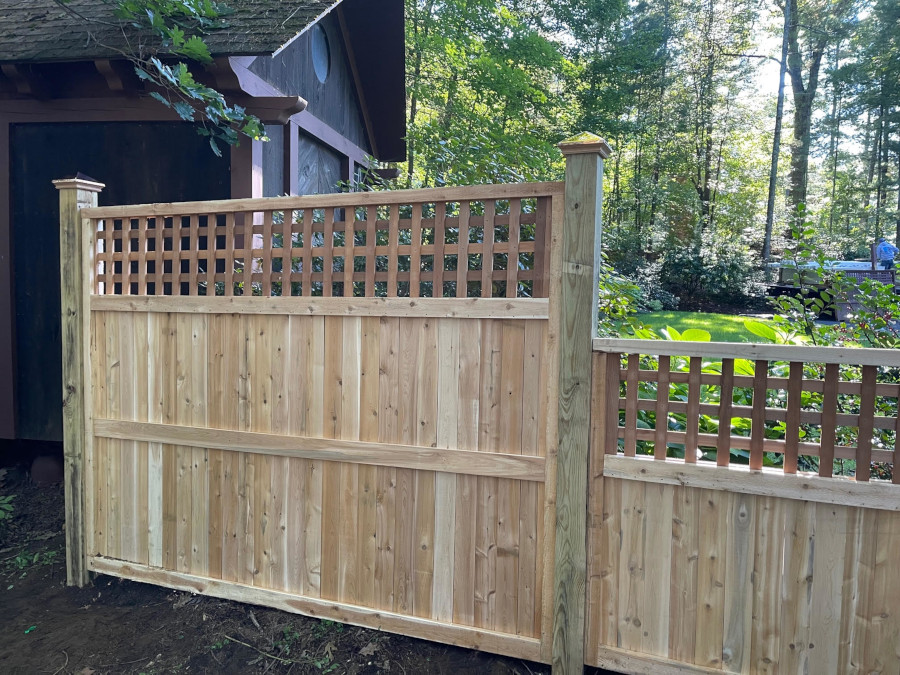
x,y
826,410
378,244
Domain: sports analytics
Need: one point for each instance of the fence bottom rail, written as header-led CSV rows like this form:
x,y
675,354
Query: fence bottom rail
x,y
453,634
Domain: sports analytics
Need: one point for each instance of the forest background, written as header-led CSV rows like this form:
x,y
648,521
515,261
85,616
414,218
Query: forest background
x,y
687,94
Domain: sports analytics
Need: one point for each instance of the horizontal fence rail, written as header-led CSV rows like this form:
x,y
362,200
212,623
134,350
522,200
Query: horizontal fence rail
x,y
823,410
482,241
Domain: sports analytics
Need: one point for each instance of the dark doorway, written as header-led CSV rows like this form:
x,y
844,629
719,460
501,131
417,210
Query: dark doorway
x,y
140,163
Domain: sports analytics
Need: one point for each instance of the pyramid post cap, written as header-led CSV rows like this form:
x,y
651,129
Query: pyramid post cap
x,y
584,143
79,181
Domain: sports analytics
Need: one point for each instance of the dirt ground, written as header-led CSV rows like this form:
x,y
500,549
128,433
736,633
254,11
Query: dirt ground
x,y
117,626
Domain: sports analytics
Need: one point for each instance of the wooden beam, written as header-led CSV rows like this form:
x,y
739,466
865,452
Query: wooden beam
x,y
271,109
246,171
357,81
76,266
752,351
496,464
451,308
448,633
766,482
25,80
336,200
7,303
316,128
110,73
290,174
580,235
624,661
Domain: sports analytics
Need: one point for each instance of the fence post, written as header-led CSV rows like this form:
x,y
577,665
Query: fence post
x,y
74,261
579,270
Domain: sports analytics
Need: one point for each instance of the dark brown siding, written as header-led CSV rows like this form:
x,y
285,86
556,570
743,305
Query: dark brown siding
x,y
334,102
139,162
273,161
320,168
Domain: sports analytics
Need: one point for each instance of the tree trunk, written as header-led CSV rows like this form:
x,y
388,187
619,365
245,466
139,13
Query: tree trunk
x,y
804,96
654,197
834,141
419,46
776,140
870,152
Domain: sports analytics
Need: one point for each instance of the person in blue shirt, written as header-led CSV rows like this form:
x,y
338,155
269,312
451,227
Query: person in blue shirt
x,y
885,253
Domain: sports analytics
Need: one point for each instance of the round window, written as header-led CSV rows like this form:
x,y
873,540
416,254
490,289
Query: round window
x,y
321,53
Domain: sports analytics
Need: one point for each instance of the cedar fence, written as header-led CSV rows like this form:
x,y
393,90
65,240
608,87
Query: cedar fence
x,y
384,409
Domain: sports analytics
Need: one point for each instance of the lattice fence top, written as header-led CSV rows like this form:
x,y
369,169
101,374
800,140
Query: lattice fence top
x,y
811,415
485,241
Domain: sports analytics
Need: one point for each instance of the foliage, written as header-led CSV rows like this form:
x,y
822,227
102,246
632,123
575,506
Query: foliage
x,y
485,101
620,300
708,276
721,327
6,509
677,87
873,323
175,28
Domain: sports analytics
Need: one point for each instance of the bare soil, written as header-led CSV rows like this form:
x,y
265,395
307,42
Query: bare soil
x,y
117,626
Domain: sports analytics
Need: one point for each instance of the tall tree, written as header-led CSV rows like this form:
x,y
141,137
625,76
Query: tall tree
x,y
812,25
776,138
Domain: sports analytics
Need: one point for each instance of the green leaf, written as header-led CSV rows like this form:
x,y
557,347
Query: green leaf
x,y
159,97
671,334
185,111
195,48
696,335
762,330
142,74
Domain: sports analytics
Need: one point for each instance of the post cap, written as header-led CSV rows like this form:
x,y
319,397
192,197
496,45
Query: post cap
x,y
79,182
584,143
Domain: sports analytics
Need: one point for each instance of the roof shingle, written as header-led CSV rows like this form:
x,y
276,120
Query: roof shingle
x,y
41,30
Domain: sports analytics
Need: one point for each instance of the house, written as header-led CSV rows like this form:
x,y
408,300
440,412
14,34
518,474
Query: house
x,y
326,78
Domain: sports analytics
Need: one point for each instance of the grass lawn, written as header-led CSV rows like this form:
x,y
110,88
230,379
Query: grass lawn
x,y
722,327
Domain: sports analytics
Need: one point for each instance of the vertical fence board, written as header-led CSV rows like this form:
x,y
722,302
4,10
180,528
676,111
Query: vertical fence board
x,y
446,436
768,562
714,509
800,533
609,545
658,507
883,636
631,566
828,577
199,456
388,432
127,479
738,587
683,591
464,546
114,448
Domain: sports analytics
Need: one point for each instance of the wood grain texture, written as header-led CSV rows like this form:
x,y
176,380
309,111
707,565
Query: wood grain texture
x,y
345,200
76,274
460,308
583,196
334,457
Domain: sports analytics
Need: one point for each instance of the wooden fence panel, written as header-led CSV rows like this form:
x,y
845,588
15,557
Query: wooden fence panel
x,y
700,563
253,499
831,607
